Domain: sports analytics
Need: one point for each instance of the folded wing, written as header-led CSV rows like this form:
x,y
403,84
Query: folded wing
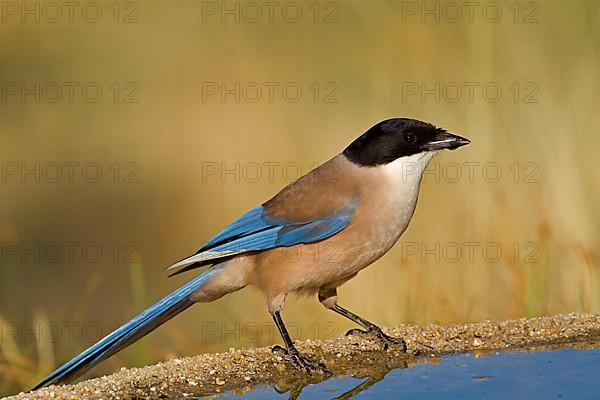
x,y
256,231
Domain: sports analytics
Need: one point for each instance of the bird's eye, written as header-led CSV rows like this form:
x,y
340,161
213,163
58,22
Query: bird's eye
x,y
409,138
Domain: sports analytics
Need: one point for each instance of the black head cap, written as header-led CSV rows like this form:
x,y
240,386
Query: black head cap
x,y
399,137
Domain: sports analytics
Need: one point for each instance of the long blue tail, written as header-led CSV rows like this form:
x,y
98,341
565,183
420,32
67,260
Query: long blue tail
x,y
127,334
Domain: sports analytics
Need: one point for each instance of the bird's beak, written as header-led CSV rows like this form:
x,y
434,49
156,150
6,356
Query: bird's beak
x,y
445,140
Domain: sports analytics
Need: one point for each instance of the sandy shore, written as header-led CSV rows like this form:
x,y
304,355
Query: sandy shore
x,y
352,355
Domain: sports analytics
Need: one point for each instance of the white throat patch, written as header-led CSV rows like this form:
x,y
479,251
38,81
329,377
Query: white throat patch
x,y
408,169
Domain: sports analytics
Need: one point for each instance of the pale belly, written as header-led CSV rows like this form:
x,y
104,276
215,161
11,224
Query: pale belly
x,y
329,263
384,230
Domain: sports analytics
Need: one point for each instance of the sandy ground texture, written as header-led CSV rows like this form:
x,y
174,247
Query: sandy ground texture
x,y
354,355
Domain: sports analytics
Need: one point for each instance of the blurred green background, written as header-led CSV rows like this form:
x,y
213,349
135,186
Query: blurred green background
x,y
157,132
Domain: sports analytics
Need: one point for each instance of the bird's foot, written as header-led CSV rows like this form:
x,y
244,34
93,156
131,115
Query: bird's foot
x,y
301,363
377,334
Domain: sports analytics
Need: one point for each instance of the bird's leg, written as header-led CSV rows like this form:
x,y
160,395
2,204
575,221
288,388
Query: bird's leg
x,y
370,329
292,354
328,297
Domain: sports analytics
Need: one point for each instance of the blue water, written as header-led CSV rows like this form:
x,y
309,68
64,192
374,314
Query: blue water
x,y
553,374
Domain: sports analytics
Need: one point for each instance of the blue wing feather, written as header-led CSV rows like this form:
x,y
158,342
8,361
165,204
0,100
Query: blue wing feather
x,y
250,222
256,231
320,228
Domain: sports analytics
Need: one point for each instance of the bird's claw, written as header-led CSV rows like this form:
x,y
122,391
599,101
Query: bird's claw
x,y
301,363
376,333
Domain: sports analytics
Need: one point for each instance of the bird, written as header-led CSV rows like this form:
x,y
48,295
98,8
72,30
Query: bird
x,y
337,219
